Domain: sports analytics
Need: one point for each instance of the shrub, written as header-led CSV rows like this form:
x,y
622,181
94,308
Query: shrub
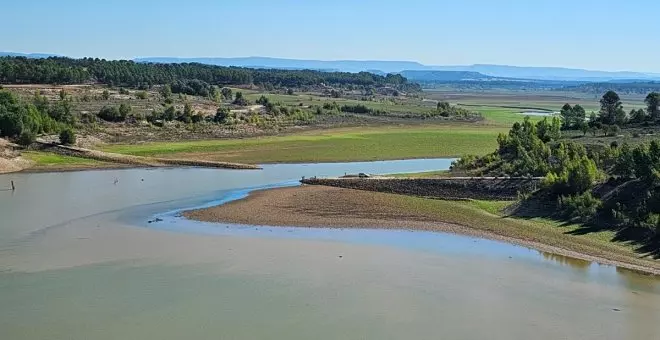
x,y
67,137
27,137
583,206
359,108
240,100
141,95
576,177
111,114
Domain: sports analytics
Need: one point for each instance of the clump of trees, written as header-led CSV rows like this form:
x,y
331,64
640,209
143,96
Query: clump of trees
x,y
573,117
25,120
194,87
573,173
444,109
611,116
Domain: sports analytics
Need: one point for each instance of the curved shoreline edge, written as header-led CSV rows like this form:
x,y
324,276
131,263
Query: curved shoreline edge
x,y
326,207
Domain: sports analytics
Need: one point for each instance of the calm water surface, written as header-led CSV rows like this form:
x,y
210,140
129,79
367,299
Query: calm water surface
x,y
79,260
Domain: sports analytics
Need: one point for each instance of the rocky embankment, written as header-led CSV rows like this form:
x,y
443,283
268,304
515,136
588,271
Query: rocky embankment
x,y
482,188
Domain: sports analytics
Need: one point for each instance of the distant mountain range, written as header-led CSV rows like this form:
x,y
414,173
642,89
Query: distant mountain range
x,y
500,71
27,55
410,69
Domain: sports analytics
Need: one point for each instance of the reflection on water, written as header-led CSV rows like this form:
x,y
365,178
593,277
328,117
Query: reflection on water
x,y
566,260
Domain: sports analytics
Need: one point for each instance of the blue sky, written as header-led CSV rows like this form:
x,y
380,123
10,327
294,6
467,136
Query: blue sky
x,y
605,35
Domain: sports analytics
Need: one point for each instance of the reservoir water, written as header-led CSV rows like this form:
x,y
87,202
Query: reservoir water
x,y
80,260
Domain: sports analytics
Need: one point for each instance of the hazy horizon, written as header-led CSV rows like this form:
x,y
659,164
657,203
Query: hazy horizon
x,y
544,33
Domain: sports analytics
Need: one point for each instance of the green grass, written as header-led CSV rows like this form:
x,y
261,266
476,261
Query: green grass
x,y
335,145
49,159
487,216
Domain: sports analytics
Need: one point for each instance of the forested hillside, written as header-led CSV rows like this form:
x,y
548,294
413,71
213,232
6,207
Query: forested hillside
x,y
58,70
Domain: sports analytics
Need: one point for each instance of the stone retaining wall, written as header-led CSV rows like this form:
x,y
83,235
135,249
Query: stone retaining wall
x,y
445,188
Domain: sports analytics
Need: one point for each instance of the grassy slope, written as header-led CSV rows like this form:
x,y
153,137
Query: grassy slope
x,y
485,215
49,160
347,144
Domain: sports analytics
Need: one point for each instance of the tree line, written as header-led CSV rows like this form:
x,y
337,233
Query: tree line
x,y
60,70
611,115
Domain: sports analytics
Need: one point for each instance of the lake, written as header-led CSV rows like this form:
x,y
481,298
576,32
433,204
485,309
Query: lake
x,y
80,260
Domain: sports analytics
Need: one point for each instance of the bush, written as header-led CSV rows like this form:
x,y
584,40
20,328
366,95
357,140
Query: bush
x,y
111,114
359,108
27,137
583,206
141,95
67,137
123,91
576,177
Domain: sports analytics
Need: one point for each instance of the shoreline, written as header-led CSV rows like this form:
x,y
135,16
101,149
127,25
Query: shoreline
x,y
328,207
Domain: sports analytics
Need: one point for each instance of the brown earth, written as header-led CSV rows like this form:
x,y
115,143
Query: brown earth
x,y
319,206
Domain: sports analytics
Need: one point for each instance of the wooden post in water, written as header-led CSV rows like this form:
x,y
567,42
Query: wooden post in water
x,y
13,188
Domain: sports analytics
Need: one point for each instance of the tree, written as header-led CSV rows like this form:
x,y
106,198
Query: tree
x,y
67,137
227,93
653,105
105,95
625,163
584,127
124,111
240,100
566,114
263,100
221,115
169,114
637,116
11,124
548,130
443,106
289,91
611,109
166,91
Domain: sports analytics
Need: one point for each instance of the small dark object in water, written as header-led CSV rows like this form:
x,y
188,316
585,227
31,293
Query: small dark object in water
x,y
13,187
142,180
340,256
616,309
156,220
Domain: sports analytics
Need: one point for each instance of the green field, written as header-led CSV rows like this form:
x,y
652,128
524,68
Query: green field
x,y
335,145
